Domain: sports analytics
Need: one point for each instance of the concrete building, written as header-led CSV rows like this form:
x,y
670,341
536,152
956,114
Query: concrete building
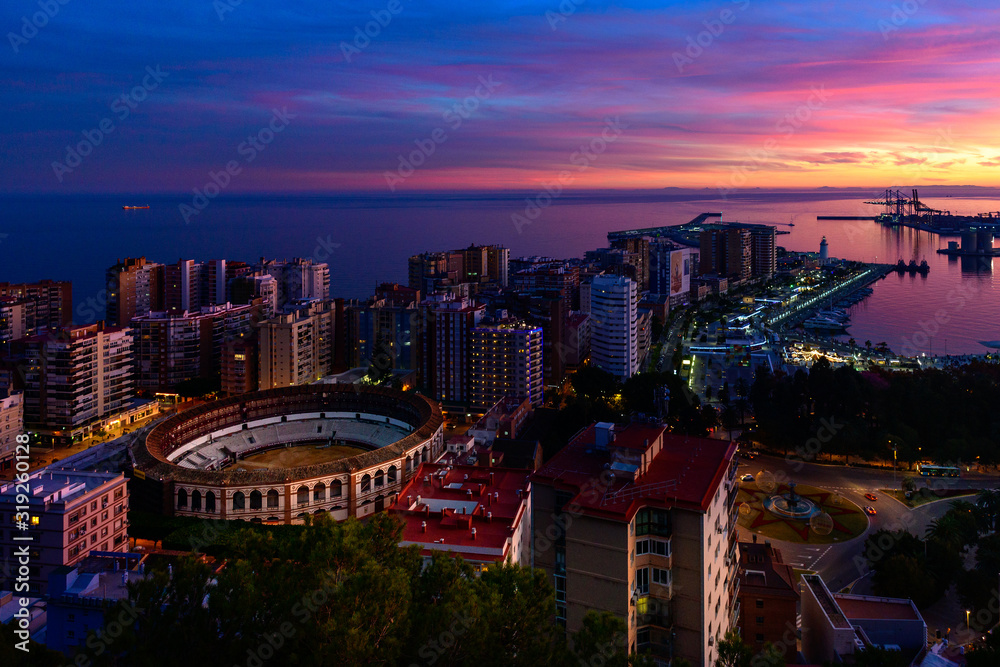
x,y
481,514
297,348
485,264
298,280
577,348
11,425
763,251
738,251
71,513
642,523
768,599
182,286
134,288
506,419
671,268
446,352
644,337
505,359
240,365
53,301
835,626
637,257
75,378
385,331
246,288
614,325
429,271
82,595
17,320
172,347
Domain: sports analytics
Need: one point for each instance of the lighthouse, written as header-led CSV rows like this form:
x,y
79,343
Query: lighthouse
x,y
824,252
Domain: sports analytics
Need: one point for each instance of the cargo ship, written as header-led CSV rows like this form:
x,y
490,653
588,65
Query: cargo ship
x,y
133,208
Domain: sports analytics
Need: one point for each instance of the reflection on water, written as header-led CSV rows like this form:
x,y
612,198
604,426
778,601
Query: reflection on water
x,y
366,240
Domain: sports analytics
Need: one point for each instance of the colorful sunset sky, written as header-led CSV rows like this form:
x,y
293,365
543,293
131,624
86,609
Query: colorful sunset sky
x,y
720,94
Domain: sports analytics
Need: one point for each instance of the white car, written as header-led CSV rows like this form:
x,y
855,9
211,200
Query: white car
x,y
746,478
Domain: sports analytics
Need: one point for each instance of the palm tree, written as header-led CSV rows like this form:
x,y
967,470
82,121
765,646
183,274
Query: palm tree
x,y
946,531
988,502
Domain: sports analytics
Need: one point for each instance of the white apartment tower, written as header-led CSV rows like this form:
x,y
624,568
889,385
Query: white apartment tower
x,y
614,325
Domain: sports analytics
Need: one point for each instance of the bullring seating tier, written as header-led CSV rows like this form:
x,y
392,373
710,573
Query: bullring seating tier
x,y
215,452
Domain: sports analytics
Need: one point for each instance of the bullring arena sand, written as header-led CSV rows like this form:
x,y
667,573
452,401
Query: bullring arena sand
x,y
293,457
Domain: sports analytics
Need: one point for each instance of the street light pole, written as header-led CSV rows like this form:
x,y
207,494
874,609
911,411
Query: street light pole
x,y
893,465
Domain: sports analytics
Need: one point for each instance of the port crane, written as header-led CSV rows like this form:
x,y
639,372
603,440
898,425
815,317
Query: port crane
x,y
898,205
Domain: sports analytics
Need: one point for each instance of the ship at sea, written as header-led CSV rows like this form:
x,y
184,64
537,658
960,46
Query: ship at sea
x,y
923,268
133,208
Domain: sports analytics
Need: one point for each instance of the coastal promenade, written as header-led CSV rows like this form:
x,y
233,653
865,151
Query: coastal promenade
x,y
800,310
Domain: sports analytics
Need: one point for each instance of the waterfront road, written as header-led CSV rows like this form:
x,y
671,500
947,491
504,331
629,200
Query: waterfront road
x,y
836,562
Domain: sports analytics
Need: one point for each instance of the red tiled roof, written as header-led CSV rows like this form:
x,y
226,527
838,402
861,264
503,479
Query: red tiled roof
x,y
685,473
495,491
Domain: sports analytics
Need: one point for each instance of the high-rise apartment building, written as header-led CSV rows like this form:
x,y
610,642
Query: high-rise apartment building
x,y
475,265
505,359
245,288
239,365
53,301
76,377
11,426
297,348
385,331
298,280
173,346
134,288
485,264
428,271
17,320
72,513
614,325
642,523
738,251
636,255
670,270
763,254
182,286
448,335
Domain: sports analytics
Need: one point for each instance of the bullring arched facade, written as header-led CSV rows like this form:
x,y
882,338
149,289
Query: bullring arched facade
x,y
188,453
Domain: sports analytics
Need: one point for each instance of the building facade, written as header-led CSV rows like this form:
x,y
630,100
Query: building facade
x,y
134,288
53,301
446,353
297,348
298,280
75,378
11,425
642,523
71,513
172,347
769,599
614,325
505,359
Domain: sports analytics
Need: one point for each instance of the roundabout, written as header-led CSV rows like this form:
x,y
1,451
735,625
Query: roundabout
x,y
798,514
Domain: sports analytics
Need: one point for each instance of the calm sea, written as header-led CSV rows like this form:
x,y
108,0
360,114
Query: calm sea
x,y
367,240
